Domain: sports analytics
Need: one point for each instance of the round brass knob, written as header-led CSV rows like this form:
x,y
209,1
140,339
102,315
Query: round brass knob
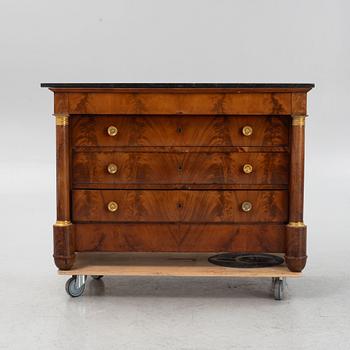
x,y
247,168
246,206
247,130
112,206
112,168
112,130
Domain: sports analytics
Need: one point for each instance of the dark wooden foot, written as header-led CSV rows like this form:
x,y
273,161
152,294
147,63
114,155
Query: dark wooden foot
x,y
64,263
295,264
296,246
64,245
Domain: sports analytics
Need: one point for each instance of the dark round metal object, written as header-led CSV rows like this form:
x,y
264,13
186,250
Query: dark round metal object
x,y
246,260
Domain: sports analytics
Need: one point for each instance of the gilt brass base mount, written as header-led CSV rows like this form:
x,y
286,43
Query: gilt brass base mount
x,y
62,223
296,224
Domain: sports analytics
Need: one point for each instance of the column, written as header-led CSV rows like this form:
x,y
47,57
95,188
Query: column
x,y
63,230
296,230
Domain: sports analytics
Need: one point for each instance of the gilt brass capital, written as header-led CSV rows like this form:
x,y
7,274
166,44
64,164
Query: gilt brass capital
x,y
298,120
296,224
62,119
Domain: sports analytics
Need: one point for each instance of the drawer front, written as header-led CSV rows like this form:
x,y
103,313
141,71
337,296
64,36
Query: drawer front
x,y
184,237
180,206
179,168
180,131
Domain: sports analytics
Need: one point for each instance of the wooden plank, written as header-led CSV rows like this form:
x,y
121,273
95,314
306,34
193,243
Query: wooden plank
x,y
161,264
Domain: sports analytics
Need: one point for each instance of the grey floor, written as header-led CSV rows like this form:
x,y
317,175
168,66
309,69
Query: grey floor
x,y
158,313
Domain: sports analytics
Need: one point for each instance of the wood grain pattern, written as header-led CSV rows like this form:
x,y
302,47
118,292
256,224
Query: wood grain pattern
x,y
180,237
64,246
62,173
296,248
160,264
180,206
140,186
184,149
180,184
264,103
296,236
298,103
180,131
61,103
179,168
296,202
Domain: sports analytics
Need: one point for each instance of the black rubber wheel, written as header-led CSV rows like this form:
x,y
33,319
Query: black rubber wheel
x,y
273,282
71,288
246,260
97,277
278,289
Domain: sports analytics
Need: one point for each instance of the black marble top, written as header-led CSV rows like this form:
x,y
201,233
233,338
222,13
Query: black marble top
x,y
179,85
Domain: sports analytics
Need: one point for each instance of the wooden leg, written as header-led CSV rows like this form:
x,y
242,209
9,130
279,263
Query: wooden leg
x,y
63,230
64,243
296,247
296,230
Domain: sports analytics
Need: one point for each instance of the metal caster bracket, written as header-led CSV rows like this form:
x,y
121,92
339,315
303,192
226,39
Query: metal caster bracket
x,y
96,277
75,285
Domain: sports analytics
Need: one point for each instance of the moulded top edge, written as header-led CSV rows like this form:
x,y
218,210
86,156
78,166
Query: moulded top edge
x,y
306,86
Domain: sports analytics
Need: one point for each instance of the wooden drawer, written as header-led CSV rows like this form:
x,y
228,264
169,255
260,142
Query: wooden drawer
x,y
179,131
180,206
179,168
179,237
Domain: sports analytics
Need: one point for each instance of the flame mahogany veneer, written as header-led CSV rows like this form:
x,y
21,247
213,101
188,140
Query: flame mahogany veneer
x,y
180,168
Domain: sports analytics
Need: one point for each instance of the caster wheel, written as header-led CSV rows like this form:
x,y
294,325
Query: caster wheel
x,y
274,279
97,277
278,288
72,289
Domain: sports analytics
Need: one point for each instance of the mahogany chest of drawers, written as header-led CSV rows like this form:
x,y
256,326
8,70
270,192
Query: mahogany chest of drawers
x,y
180,168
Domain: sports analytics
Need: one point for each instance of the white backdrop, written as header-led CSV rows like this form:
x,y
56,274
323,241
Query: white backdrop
x,y
179,41
168,41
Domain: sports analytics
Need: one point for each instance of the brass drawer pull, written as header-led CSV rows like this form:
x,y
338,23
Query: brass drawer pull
x,y
246,206
112,130
112,206
247,130
112,168
247,168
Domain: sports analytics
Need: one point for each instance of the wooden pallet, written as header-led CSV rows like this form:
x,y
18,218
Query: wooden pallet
x,y
164,264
